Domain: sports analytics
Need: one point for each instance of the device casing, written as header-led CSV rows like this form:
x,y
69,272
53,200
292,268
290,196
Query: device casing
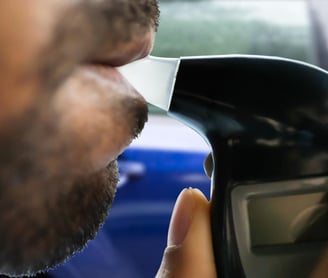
x,y
265,120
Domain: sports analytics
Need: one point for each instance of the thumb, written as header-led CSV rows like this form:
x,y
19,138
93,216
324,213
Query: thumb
x,y
189,252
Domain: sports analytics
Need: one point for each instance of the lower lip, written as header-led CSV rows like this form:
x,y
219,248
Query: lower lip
x,y
111,74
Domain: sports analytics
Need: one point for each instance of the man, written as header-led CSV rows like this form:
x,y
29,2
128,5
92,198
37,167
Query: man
x,y
66,114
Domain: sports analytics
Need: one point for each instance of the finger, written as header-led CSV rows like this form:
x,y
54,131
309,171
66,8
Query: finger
x,y
189,251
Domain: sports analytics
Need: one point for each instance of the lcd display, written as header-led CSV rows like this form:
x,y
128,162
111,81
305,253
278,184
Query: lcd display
x,y
288,219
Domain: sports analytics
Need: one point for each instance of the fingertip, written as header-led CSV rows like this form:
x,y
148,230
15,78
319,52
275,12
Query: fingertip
x,y
199,195
196,243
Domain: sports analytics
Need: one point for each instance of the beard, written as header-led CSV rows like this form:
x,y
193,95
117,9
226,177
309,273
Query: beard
x,y
41,229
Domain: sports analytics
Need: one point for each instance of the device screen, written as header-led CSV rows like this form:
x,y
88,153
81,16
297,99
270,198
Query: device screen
x,y
288,219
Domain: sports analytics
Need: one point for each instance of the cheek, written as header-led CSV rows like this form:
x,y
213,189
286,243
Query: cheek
x,y
25,30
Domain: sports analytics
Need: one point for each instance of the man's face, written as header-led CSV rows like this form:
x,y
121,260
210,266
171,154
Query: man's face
x,y
65,116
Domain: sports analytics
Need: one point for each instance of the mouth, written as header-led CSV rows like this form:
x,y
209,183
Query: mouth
x,y
99,107
100,114
105,63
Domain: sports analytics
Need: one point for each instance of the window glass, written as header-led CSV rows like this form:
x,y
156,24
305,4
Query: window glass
x,y
275,28
278,28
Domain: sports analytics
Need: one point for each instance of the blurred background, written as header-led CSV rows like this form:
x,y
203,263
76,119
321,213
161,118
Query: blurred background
x,y
169,156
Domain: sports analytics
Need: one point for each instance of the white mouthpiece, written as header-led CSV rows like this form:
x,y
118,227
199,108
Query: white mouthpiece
x,y
154,79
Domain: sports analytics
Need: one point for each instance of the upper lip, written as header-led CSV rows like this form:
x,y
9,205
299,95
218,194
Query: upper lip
x,y
128,52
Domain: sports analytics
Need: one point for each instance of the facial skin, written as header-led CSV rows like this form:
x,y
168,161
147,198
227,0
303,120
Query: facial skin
x,y
66,114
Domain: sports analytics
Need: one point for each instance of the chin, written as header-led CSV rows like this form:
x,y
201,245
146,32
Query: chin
x,y
44,230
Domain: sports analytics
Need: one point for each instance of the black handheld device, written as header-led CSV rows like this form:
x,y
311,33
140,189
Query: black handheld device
x,y
266,120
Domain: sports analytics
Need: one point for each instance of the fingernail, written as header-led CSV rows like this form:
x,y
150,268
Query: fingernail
x,y
181,218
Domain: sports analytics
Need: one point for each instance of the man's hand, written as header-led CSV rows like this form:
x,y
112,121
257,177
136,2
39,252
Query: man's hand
x,y
189,252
